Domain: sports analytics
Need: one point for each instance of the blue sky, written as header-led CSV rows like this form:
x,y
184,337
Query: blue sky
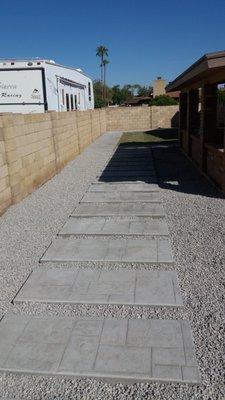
x,y
145,38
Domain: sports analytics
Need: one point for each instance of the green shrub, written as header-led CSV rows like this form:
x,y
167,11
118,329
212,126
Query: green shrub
x,y
163,100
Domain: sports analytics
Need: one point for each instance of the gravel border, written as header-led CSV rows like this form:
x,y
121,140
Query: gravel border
x,y
196,221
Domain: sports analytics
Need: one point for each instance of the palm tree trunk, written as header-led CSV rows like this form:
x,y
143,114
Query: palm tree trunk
x,y
102,77
104,74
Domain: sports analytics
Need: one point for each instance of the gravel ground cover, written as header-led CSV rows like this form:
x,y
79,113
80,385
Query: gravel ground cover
x,y
196,218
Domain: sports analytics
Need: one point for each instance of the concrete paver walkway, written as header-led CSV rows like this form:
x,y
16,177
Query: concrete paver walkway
x,y
121,197
131,225
116,349
158,288
122,209
141,250
123,187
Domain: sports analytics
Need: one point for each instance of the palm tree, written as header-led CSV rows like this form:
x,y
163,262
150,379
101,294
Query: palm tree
x,y
102,52
104,62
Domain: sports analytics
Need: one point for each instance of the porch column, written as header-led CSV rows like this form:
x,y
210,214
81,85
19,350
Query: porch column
x,y
192,115
208,118
223,182
183,121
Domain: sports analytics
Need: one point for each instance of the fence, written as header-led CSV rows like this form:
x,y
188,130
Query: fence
x,y
35,147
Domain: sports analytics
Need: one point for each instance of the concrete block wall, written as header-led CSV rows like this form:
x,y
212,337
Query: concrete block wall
x,y
35,147
164,116
5,190
140,118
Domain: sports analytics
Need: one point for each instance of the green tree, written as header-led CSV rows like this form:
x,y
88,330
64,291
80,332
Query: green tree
x,y
120,95
221,96
99,101
102,52
144,91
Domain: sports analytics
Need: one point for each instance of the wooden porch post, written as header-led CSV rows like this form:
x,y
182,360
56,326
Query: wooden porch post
x,y
192,115
183,121
208,118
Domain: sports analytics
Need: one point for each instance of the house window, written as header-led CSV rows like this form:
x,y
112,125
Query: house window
x,y
89,90
71,102
63,98
67,102
79,98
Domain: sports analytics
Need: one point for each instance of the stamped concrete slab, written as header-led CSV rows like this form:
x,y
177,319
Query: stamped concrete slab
x,y
132,163
111,249
126,173
114,226
121,197
119,209
123,187
145,288
116,349
138,178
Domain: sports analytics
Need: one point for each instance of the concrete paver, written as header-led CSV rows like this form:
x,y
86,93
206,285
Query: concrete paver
x,y
121,197
114,226
116,349
138,169
119,209
127,173
109,249
123,187
150,288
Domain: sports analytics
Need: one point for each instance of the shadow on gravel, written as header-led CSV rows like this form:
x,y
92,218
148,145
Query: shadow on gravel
x,y
169,167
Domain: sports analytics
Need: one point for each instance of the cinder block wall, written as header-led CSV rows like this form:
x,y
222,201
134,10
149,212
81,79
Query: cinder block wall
x,y
140,118
5,190
35,147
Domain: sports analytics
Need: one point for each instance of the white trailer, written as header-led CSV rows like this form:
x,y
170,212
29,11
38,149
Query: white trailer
x,y
36,86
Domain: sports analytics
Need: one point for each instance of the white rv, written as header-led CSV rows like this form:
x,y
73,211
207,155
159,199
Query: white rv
x,y
36,86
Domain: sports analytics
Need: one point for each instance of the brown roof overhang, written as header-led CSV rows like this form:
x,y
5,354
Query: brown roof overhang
x,y
207,66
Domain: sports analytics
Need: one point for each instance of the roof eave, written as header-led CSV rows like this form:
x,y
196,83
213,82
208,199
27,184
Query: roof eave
x,y
197,70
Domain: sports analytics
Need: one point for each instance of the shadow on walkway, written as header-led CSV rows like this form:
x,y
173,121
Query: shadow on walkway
x,y
169,167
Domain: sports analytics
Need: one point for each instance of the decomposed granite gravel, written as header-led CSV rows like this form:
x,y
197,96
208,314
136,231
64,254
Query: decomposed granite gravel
x,y
196,218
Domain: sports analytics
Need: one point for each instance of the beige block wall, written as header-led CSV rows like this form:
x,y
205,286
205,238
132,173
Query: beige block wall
x,y
128,118
34,147
5,190
164,116
140,118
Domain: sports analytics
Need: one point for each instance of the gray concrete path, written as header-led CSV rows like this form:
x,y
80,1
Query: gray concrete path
x,y
121,197
130,218
119,209
150,288
123,187
117,349
114,226
126,250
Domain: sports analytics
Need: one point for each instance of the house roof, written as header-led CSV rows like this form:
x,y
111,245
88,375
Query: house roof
x,y
136,100
211,66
